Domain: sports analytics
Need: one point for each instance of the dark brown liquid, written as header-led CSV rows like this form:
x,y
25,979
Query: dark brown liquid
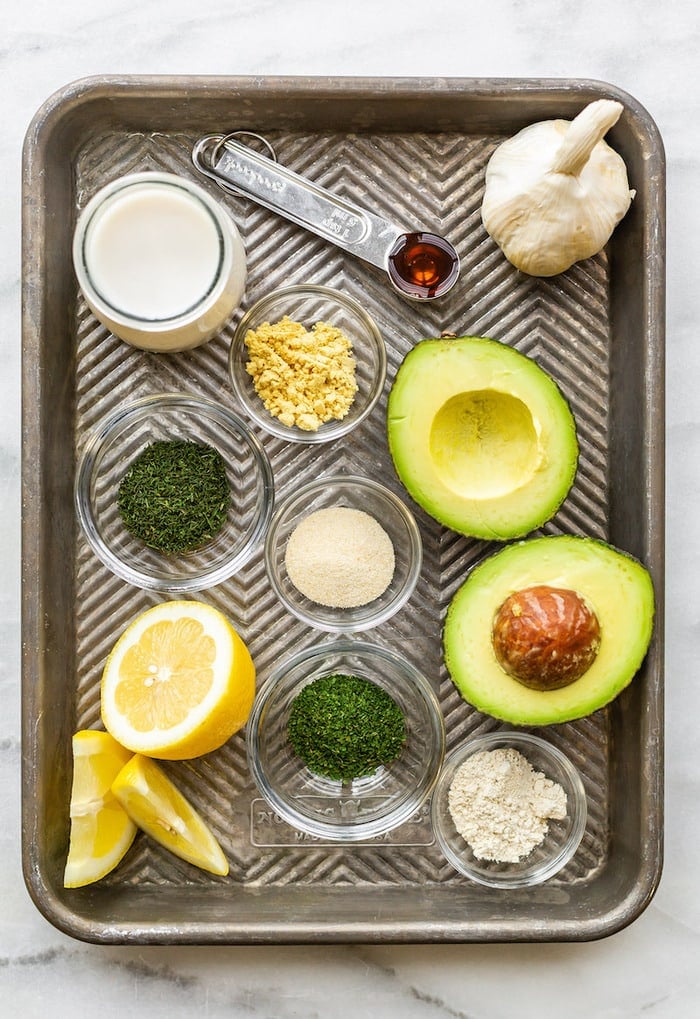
x,y
423,265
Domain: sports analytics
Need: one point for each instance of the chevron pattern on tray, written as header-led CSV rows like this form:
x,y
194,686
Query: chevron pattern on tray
x,y
433,182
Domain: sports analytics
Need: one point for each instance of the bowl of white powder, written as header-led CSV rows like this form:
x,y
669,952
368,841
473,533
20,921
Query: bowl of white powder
x,y
509,809
343,553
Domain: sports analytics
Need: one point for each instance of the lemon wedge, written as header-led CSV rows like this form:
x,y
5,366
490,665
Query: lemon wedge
x,y
178,683
100,829
157,806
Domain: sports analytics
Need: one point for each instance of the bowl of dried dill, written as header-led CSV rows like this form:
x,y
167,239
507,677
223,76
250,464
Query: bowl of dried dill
x,y
173,493
346,740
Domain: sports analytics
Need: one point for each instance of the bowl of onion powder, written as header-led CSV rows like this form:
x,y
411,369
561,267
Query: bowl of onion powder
x,y
509,809
343,553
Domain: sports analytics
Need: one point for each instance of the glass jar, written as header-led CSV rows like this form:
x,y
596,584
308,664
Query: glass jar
x,y
161,264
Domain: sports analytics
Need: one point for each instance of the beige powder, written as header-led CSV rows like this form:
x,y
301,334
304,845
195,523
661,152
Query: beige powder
x,y
304,378
340,557
500,805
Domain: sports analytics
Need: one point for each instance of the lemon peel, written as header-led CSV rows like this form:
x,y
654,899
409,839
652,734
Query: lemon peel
x,y
101,831
157,806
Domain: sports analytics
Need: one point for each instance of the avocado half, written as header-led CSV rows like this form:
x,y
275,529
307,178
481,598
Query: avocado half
x,y
613,584
481,436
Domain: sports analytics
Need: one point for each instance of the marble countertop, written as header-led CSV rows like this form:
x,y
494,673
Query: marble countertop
x,y
650,50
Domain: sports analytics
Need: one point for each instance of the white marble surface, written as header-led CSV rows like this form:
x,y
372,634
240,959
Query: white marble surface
x,y
651,50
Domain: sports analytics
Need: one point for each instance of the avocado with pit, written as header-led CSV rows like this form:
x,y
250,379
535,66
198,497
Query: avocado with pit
x,y
481,436
549,629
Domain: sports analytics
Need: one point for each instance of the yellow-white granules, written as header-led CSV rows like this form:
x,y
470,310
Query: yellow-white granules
x,y
304,378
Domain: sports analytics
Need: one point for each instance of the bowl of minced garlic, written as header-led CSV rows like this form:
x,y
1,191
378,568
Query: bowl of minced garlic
x,y
307,363
509,809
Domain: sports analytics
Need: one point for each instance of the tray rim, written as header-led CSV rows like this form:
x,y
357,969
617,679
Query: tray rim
x,y
47,118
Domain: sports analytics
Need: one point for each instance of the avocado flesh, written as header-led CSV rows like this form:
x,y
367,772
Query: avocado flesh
x,y
615,586
481,436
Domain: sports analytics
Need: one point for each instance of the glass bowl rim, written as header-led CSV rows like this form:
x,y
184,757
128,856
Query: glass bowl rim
x,y
417,683
578,808
334,430
378,615
140,409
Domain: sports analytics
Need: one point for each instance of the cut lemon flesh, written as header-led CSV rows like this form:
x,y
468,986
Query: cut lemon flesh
x,y
178,683
100,829
157,806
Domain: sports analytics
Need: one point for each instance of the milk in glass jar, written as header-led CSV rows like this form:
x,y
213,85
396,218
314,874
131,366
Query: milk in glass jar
x,y
160,263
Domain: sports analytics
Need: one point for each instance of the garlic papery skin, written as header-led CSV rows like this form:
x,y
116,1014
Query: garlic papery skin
x,y
556,191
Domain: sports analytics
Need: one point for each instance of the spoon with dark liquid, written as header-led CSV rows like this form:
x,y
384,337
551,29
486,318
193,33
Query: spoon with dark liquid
x,y
421,266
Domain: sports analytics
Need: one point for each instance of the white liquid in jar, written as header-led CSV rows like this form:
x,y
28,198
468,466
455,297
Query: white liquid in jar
x,y
159,262
153,252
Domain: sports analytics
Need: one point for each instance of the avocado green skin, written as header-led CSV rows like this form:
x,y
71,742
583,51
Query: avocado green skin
x,y
435,371
614,584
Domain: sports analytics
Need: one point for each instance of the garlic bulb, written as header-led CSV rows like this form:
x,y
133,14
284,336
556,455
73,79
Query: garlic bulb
x,y
556,191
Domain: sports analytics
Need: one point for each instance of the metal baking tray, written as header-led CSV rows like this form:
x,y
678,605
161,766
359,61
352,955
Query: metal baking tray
x,y
413,150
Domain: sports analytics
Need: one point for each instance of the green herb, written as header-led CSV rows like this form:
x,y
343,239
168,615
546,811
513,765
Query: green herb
x,y
175,495
344,727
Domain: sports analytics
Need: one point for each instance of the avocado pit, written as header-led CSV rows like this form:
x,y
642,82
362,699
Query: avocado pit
x,y
545,637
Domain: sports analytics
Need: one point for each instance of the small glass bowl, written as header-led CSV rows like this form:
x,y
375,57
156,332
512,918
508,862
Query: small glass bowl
x,y
309,304
110,451
361,494
368,806
562,839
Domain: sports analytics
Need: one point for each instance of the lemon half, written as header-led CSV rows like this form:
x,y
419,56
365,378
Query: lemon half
x,y
178,683
100,829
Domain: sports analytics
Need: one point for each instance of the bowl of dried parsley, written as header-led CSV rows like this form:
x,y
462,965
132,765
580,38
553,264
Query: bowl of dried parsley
x,y
173,492
307,363
346,740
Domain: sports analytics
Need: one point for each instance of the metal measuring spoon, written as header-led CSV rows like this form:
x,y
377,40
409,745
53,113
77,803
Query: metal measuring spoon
x,y
421,266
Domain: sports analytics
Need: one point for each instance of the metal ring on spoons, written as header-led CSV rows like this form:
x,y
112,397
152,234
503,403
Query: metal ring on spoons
x,y
208,149
244,134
